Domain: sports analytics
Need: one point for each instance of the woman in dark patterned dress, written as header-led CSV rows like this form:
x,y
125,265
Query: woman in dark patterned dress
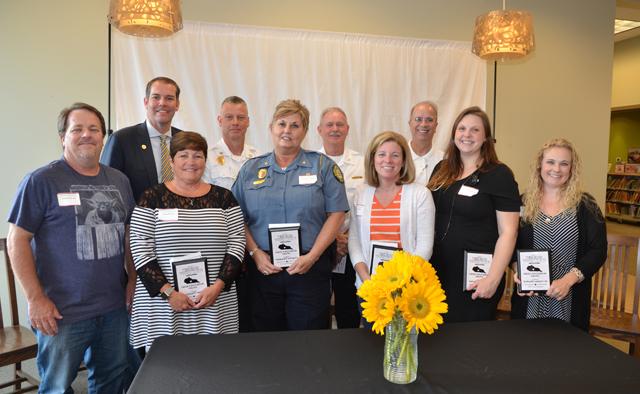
x,y
558,216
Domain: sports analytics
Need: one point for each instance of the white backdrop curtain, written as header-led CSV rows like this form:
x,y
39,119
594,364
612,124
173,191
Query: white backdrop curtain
x,y
375,79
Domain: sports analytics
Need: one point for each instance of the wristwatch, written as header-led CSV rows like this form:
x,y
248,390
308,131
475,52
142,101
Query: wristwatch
x,y
577,273
252,252
166,293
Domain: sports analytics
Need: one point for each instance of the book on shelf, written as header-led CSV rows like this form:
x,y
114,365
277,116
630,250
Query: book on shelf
x,y
612,208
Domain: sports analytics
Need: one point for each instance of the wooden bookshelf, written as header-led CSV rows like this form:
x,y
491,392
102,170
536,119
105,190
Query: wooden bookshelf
x,y
623,197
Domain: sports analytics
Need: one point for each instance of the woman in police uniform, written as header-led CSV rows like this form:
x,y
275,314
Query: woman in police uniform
x,y
291,185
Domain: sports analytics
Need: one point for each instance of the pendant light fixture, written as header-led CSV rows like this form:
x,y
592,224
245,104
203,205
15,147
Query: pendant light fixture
x,y
146,18
503,34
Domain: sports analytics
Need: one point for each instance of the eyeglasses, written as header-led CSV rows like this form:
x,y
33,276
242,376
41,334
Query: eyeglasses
x,y
420,119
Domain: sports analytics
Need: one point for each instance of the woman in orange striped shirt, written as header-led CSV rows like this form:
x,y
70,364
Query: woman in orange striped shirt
x,y
389,208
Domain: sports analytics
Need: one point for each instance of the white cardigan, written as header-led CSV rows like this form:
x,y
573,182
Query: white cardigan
x,y
417,219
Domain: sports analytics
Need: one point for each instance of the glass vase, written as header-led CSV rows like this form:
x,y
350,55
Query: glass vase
x,y
400,363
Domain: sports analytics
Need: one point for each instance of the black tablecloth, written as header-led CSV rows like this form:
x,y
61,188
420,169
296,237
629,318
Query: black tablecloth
x,y
518,356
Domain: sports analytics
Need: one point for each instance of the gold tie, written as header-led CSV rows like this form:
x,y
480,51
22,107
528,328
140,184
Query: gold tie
x,y
167,174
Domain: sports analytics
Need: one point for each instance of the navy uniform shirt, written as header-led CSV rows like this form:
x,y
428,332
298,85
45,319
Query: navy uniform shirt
x,y
305,192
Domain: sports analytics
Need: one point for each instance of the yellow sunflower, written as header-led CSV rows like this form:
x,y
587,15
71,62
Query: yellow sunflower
x,y
422,270
422,304
378,306
395,273
365,290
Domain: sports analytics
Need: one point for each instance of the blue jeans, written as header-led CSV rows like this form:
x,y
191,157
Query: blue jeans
x,y
101,342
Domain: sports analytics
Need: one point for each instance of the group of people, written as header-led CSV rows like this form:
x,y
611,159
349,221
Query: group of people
x,y
93,236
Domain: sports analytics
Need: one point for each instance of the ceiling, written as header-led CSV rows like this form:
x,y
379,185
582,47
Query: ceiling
x,y
629,10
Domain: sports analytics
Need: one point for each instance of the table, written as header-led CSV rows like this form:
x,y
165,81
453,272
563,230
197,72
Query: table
x,y
516,356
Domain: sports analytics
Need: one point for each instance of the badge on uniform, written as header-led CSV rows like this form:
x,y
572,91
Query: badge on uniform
x,y
220,160
262,175
338,173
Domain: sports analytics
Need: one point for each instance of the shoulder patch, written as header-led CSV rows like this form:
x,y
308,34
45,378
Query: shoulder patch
x,y
338,173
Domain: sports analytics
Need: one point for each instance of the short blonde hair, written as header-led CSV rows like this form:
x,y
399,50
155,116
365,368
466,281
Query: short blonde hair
x,y
292,107
407,172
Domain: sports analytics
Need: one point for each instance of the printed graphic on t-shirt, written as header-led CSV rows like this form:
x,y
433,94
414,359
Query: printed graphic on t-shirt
x,y
99,222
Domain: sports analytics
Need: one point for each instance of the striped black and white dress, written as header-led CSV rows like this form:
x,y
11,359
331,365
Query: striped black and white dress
x,y
559,234
212,225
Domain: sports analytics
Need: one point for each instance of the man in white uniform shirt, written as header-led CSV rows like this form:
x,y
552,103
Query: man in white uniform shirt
x,y
230,152
224,161
423,122
333,130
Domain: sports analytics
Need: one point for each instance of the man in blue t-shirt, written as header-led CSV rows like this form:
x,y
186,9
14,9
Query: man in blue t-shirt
x,y
67,246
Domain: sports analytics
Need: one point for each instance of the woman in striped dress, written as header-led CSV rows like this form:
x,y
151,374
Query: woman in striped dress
x,y
389,208
179,217
558,216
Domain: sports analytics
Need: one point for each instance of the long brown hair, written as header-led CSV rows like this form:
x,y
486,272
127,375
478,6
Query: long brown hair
x,y
451,166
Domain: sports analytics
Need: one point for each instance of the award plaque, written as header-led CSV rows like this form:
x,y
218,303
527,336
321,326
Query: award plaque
x,y
284,242
381,252
341,266
534,270
190,274
476,266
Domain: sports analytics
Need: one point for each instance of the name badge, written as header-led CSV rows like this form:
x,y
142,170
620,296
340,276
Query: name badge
x,y
168,215
68,199
307,179
468,191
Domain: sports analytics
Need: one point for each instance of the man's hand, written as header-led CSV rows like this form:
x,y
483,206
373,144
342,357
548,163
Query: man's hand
x,y
44,315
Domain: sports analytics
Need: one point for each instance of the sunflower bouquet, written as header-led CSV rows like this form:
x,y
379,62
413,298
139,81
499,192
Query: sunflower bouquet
x,y
403,296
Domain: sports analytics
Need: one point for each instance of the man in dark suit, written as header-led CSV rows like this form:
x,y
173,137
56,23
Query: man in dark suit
x,y
136,150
